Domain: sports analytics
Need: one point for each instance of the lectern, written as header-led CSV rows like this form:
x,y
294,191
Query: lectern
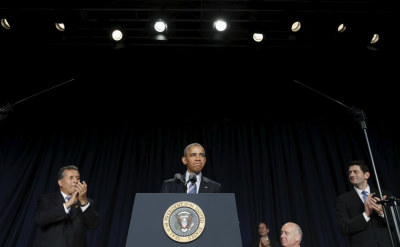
x,y
178,219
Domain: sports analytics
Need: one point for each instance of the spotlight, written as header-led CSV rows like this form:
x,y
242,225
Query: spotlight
x,y
341,28
220,25
258,37
296,26
117,35
160,26
60,26
375,39
5,24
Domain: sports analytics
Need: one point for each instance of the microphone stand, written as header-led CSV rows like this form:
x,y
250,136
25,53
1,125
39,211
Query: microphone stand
x,y
178,179
5,110
192,178
360,117
394,204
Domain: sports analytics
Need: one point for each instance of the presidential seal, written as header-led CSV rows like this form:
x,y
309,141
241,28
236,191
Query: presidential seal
x,y
184,221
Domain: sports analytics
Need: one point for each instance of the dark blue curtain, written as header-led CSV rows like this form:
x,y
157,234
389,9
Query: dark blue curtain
x,y
281,149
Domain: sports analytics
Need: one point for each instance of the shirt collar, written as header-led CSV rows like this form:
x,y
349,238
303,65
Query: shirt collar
x,y
368,190
64,195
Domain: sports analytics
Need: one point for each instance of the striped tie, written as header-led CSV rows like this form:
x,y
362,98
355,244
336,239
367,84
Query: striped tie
x,y
192,189
69,210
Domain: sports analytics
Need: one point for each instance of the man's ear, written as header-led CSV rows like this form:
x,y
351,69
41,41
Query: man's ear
x,y
367,174
59,183
184,160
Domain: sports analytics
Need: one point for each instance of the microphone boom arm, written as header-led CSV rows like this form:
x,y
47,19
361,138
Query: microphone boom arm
x,y
5,110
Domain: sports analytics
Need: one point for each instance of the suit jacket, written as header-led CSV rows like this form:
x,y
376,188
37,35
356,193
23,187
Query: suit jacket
x,y
351,222
255,243
61,229
206,186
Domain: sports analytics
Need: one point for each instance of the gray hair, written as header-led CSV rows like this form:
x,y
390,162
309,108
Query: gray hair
x,y
299,231
191,145
62,169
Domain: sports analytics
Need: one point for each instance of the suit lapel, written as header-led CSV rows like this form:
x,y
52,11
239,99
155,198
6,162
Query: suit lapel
x,y
355,203
355,197
203,186
58,198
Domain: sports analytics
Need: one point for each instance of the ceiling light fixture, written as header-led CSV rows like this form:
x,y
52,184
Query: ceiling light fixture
x,y
296,26
60,26
117,35
341,28
258,37
160,26
220,25
375,39
5,24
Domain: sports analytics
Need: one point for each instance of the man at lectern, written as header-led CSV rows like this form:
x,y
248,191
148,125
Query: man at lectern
x,y
194,158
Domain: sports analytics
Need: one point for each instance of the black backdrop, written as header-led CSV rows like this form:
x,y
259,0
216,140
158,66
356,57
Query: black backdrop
x,y
280,147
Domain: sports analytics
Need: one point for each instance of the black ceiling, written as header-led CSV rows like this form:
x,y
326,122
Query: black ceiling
x,y
190,23
230,74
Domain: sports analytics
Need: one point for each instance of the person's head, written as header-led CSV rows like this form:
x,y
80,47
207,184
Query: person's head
x,y
68,177
194,157
358,172
263,229
291,235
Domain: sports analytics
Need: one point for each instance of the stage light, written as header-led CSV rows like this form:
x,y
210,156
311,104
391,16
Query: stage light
x,y
375,38
5,24
258,37
220,25
296,26
341,28
160,26
117,35
60,26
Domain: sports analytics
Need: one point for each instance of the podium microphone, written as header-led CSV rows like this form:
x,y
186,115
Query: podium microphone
x,y
178,179
192,178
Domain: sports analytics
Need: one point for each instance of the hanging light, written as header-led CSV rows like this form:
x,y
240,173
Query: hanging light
x,y
60,26
160,26
258,37
296,26
117,35
220,25
5,24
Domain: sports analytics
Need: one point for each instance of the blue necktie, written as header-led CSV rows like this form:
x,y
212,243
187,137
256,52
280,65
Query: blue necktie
x,y
69,210
192,189
365,195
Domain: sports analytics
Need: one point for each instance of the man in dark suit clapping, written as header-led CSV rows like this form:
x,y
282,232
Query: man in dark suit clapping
x,y
359,215
65,216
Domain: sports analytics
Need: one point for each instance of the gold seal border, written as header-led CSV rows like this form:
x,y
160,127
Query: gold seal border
x,y
195,234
